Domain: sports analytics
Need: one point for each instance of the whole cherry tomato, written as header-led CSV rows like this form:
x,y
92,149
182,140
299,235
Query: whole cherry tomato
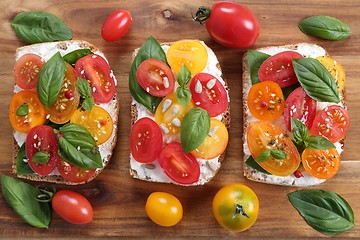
x,y
116,25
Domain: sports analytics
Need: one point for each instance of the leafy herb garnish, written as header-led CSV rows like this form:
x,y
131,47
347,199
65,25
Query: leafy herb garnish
x,y
85,92
183,92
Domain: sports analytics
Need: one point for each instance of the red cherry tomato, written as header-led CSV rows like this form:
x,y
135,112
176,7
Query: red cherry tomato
x,y
75,174
42,139
230,24
97,72
145,140
72,207
278,68
27,69
208,93
156,77
300,106
116,25
180,167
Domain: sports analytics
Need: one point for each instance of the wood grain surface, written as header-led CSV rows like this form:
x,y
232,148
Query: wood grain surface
x,y
117,199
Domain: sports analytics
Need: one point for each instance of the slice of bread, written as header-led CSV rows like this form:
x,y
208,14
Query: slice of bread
x,y
307,50
208,168
46,50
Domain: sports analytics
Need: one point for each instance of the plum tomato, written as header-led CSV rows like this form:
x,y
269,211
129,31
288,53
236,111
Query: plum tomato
x,y
279,68
208,93
155,77
322,164
27,69
73,173
236,207
116,25
335,69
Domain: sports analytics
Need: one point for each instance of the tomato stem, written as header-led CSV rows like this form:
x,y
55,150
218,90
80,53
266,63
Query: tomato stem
x,y
46,195
202,14
239,209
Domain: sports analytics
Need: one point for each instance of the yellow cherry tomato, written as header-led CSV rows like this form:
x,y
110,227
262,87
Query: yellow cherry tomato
x,y
335,69
236,207
164,209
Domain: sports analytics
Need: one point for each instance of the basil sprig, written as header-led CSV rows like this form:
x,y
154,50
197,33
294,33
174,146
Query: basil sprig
x,y
275,153
85,92
194,128
50,81
38,27
325,211
150,49
22,197
255,59
22,168
325,27
78,147
75,55
316,80
183,92
41,157
22,110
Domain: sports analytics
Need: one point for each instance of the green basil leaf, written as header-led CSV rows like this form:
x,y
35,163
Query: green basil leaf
x,y
184,76
316,80
183,95
325,211
50,81
194,128
88,103
41,157
22,167
299,131
22,197
278,154
252,163
85,92
318,142
78,147
263,156
75,55
255,59
22,110
38,27
150,49
325,27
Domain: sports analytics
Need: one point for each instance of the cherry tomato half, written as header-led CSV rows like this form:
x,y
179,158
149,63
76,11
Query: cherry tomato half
x,y
322,164
73,173
279,68
116,25
72,207
335,69
27,69
155,77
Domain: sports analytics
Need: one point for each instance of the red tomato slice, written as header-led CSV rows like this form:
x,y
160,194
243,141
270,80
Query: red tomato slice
x,y
145,140
155,77
27,69
332,122
39,139
97,72
300,106
208,93
116,25
73,173
180,167
278,68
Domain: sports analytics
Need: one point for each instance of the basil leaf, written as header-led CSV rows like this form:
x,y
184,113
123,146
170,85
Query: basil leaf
x,y
22,167
299,131
183,95
22,110
75,55
318,142
278,154
252,163
88,103
184,76
325,211
38,27
85,92
41,157
150,49
325,27
50,81
316,80
255,59
22,197
194,128
263,156
78,147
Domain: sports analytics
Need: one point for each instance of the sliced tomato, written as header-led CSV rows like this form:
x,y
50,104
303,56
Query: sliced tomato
x,y
42,139
34,116
322,164
332,122
335,69
145,140
300,106
266,100
180,167
98,121
27,69
73,173
97,72
155,77
262,136
67,100
208,93
278,68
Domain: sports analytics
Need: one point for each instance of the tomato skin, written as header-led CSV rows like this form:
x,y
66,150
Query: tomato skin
x,y
27,69
279,68
116,25
240,196
164,209
72,207
74,174
335,69
322,164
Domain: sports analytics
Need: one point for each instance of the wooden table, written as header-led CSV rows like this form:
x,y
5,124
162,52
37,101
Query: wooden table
x,y
117,199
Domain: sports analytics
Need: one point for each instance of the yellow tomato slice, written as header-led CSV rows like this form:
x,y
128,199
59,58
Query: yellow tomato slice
x,y
98,121
189,52
335,69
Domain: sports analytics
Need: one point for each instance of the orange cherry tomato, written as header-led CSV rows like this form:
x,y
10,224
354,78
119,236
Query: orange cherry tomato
x,y
322,164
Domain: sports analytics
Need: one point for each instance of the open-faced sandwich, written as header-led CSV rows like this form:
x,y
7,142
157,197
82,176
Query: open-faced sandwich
x,y
180,113
64,112
295,117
